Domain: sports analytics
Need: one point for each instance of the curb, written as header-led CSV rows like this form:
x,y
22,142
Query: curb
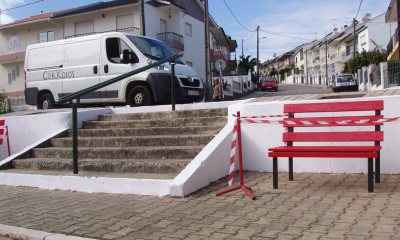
x,y
25,233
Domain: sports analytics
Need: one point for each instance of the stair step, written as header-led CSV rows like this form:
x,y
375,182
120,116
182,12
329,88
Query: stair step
x,y
81,173
177,140
164,115
104,165
112,132
165,152
194,121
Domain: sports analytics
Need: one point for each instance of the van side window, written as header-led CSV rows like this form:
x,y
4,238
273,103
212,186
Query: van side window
x,y
114,49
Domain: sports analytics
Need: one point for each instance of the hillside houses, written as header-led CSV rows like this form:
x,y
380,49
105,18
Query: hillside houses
x,y
317,62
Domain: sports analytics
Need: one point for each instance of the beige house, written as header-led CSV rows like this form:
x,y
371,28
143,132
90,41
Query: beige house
x,y
14,38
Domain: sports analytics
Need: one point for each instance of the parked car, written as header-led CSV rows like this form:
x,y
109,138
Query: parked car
x,y
58,68
344,82
269,83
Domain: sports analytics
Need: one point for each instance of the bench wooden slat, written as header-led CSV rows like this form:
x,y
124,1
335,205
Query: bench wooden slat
x,y
324,154
334,107
325,148
1,131
332,136
339,118
2,122
1,141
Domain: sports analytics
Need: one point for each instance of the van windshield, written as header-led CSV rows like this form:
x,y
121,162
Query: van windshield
x,y
153,49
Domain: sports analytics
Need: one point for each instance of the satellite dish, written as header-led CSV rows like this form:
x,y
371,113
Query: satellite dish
x,y
220,64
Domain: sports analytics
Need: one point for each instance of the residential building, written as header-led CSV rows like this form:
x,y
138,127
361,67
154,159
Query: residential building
x,y
14,38
178,23
393,16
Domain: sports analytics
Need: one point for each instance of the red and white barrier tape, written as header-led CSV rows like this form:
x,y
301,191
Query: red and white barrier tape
x,y
325,122
233,154
264,116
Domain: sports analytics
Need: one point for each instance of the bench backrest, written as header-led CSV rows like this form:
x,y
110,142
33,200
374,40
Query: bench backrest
x,y
373,109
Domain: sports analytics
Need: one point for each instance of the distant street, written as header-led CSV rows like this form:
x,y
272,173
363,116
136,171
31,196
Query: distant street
x,y
289,89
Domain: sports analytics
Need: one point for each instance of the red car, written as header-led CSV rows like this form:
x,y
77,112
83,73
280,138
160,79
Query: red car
x,y
269,83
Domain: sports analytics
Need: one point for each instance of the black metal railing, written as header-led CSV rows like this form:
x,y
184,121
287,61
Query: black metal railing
x,y
74,99
173,40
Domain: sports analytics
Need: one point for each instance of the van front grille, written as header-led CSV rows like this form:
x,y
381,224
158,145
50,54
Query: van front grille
x,y
190,82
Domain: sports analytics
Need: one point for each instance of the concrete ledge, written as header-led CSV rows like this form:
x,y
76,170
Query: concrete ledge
x,y
153,187
25,233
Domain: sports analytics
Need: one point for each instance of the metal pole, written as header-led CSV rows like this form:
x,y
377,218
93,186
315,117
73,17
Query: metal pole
x,y
207,52
75,103
258,42
354,44
326,62
173,100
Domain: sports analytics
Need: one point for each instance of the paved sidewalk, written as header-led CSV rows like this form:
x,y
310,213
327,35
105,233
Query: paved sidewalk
x,y
314,206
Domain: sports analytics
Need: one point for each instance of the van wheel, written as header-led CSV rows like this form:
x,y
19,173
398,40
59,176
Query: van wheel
x,y
46,101
139,96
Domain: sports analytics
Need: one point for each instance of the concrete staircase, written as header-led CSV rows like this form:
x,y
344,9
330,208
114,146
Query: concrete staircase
x,y
154,145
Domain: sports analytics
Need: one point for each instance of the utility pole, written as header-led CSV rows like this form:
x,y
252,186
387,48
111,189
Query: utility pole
x,y
142,18
398,20
354,41
242,48
207,53
306,68
258,48
326,62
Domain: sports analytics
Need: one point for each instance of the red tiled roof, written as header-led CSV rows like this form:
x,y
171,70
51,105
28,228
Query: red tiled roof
x,y
30,19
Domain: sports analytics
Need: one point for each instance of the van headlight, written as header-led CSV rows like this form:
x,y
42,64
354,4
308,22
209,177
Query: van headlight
x,y
162,67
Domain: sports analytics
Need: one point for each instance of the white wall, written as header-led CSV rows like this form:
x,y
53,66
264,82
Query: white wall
x,y
28,131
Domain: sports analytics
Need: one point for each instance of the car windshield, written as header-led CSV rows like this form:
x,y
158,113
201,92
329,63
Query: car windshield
x,y
345,78
153,49
268,80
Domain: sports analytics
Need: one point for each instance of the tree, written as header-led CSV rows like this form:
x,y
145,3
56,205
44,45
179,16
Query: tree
x,y
273,72
364,59
246,64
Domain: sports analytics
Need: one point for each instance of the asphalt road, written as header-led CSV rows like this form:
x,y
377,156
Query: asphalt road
x,y
289,89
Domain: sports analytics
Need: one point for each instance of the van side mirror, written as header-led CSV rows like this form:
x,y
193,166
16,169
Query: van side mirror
x,y
129,57
134,57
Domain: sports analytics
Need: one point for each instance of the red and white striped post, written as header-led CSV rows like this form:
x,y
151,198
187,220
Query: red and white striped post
x,y
8,141
246,189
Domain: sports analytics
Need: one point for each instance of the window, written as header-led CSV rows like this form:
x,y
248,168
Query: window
x,y
9,78
163,26
188,29
17,71
84,27
125,21
46,36
114,48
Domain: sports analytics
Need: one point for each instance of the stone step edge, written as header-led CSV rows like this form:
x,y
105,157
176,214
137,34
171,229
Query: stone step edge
x,y
26,233
151,187
195,135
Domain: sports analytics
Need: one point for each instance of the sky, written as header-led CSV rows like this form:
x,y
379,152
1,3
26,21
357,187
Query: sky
x,y
284,24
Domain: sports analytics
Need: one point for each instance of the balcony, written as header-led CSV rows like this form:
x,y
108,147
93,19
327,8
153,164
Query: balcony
x,y
8,55
173,40
392,46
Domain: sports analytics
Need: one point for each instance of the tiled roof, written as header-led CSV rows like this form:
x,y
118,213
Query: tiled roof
x,y
29,19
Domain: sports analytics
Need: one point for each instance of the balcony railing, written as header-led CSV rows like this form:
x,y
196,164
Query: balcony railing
x,y
133,30
173,40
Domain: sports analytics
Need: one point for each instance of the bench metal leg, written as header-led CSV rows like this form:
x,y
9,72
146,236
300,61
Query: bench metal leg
x,y
378,168
290,169
370,175
275,172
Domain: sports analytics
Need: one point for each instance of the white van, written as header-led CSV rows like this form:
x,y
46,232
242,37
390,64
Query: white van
x,y
58,68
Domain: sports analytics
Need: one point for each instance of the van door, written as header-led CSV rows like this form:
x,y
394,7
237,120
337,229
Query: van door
x,y
81,64
113,67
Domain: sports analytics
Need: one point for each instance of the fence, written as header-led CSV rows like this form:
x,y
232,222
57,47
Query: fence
x,y
392,73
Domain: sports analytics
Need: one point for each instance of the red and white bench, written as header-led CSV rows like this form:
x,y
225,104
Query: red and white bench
x,y
366,110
